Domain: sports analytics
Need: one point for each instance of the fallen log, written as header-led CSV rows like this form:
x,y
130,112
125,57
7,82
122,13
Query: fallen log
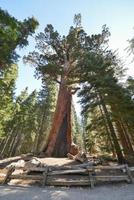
x,y
7,161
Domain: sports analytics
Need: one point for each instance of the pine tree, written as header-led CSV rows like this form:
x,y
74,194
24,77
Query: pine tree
x,y
13,125
7,90
13,34
76,129
21,127
100,72
46,103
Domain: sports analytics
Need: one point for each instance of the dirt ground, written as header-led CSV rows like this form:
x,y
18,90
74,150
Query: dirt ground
x,y
115,191
105,192
57,161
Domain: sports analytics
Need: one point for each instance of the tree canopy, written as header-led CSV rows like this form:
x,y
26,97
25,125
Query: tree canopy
x,y
13,34
42,121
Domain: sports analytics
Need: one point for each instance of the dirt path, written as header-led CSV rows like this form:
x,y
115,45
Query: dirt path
x,y
109,192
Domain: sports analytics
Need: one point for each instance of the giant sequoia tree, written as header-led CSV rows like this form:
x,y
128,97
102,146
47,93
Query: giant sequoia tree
x,y
58,58
55,59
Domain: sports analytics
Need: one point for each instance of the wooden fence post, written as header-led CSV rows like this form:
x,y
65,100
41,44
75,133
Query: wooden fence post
x,y
129,174
8,174
45,176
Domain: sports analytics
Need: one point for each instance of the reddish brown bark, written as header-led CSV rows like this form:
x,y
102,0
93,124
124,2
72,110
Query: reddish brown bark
x,y
59,141
122,138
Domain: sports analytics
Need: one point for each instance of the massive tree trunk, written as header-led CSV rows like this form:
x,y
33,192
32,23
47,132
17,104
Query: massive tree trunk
x,y
59,141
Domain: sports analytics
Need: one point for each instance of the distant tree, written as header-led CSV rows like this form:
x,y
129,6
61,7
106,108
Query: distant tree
x,y
27,128
13,127
46,102
21,128
130,86
76,129
7,90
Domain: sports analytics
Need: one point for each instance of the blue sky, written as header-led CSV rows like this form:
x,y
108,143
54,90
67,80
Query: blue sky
x,y
117,14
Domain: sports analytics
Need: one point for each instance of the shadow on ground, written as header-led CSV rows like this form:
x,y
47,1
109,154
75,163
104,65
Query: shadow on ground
x,y
107,192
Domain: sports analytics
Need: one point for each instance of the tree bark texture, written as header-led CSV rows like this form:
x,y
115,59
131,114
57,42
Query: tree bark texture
x,y
59,141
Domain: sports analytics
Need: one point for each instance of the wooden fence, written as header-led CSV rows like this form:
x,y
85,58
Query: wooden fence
x,y
77,175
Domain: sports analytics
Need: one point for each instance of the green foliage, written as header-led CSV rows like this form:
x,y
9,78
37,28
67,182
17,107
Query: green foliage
x,y
77,58
100,72
46,103
56,55
76,129
130,85
29,125
7,89
13,34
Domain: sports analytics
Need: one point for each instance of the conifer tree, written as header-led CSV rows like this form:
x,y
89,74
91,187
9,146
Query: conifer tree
x,y
13,34
7,90
46,102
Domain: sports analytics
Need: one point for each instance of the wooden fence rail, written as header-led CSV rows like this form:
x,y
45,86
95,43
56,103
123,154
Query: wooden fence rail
x,y
76,176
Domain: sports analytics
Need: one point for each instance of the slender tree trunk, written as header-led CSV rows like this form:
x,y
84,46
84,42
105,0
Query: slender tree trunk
x,y
38,137
108,132
60,139
13,142
122,138
127,137
84,134
112,132
126,143
130,130
123,131
1,146
7,142
17,141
